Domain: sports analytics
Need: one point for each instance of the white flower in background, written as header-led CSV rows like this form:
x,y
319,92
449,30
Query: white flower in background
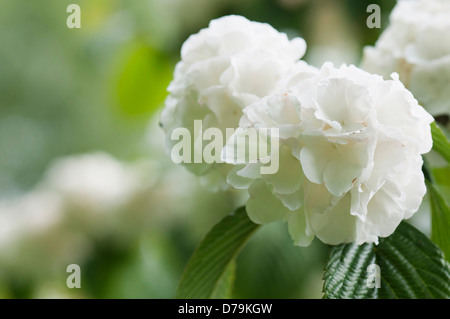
x,y
417,46
79,198
28,216
96,181
84,200
350,157
225,67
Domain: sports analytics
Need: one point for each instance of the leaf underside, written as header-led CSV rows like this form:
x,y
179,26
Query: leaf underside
x,y
411,267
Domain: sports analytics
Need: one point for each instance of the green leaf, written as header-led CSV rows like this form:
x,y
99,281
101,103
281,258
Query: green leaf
x,y
440,142
441,176
211,260
410,265
440,220
224,287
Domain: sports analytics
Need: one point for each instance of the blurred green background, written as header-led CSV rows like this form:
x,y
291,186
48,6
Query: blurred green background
x,y
84,178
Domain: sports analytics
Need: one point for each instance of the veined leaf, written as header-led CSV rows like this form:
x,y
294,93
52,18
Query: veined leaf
x,y
224,287
410,266
210,262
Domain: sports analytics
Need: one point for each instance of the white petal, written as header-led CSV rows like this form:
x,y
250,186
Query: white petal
x,y
335,226
292,201
262,207
315,158
237,181
299,229
289,176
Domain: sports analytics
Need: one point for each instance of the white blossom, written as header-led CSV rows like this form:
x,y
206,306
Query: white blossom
x,y
95,181
350,157
417,46
223,68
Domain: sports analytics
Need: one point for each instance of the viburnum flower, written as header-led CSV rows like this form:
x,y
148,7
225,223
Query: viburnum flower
x,y
225,67
417,46
350,146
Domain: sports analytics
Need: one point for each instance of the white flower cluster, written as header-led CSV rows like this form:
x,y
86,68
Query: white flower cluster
x,y
224,68
349,142
84,201
417,46
350,164
71,201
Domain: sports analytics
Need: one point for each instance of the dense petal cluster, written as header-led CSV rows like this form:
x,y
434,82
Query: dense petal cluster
x,y
349,157
347,143
417,46
224,68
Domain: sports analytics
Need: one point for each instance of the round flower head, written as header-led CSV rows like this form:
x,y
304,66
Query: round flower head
x,y
350,146
417,46
225,67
